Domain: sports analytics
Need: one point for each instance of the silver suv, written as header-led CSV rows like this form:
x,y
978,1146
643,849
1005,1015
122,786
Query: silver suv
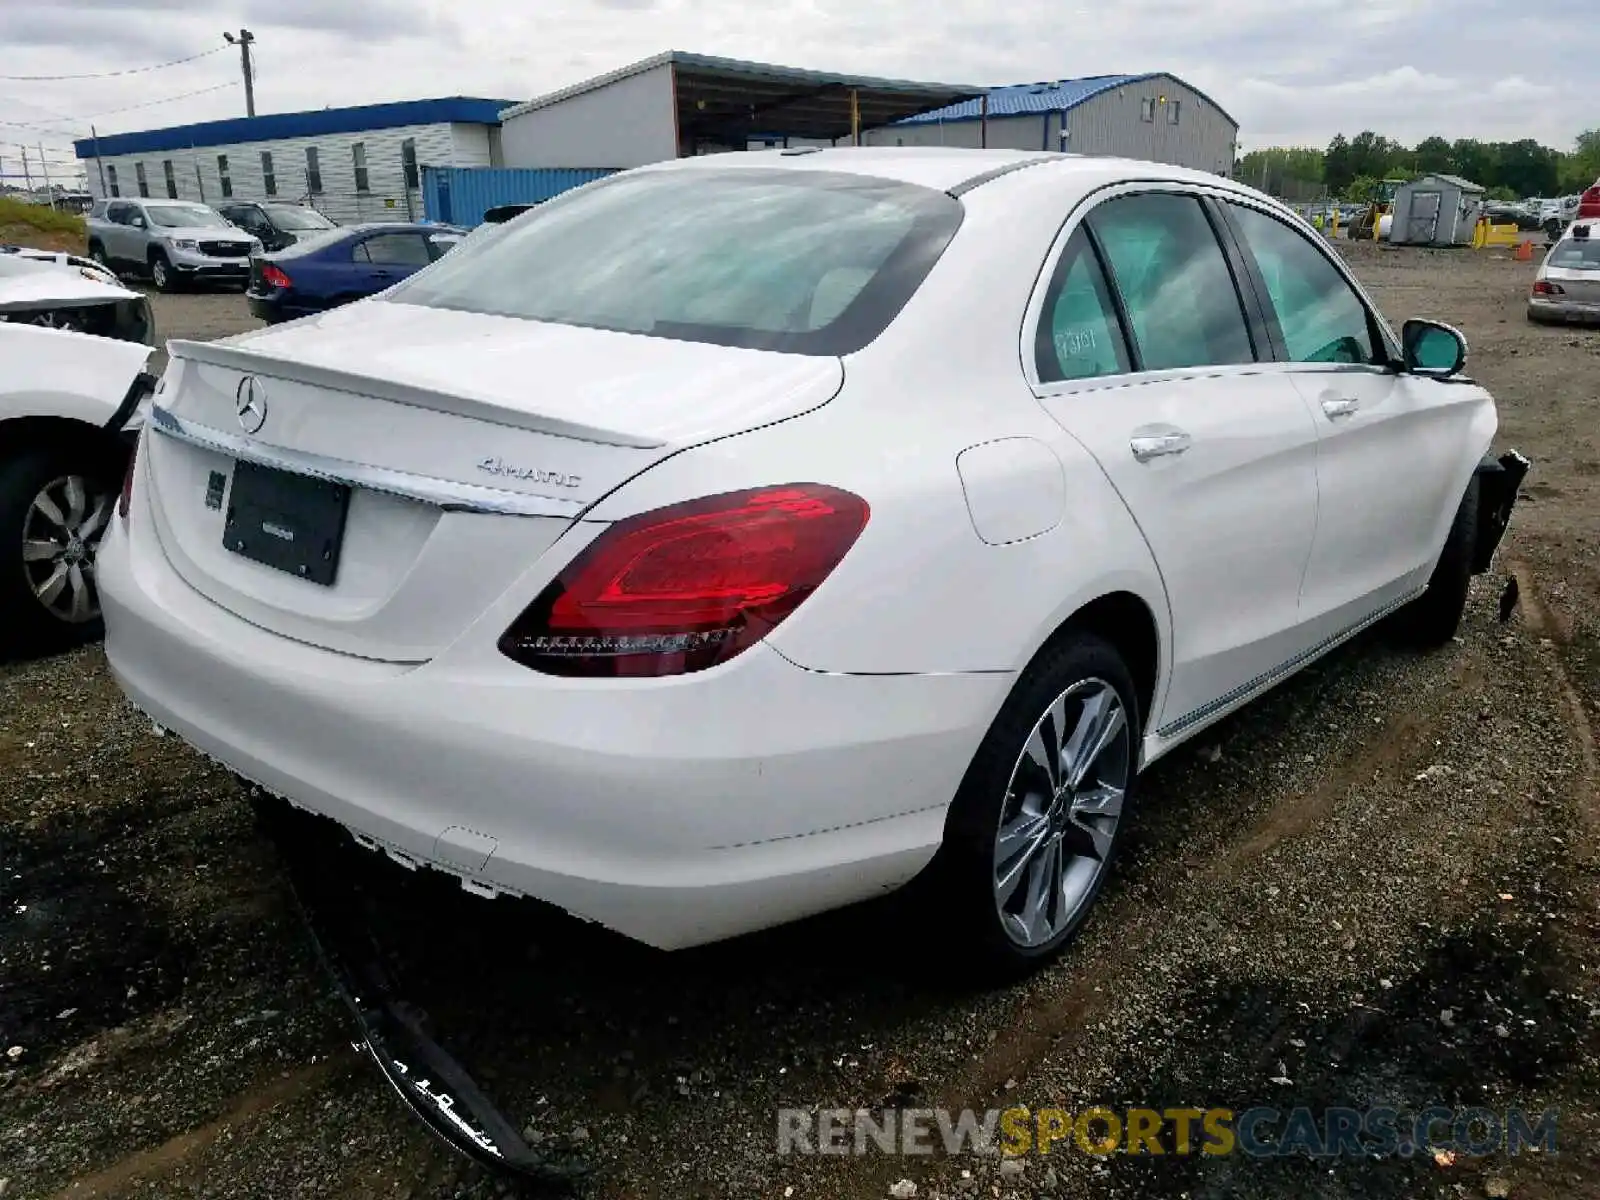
x,y
175,241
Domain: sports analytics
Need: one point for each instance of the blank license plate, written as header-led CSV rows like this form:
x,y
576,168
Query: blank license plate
x,y
293,523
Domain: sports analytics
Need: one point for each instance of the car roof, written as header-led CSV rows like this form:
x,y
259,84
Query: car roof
x,y
944,168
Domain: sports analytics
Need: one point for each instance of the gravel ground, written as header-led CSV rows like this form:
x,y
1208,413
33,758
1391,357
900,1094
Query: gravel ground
x,y
1377,885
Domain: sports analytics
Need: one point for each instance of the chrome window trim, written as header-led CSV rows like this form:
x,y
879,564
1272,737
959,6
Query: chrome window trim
x,y
447,494
1034,311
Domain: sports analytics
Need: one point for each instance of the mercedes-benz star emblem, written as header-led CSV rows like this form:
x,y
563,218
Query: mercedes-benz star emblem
x,y
250,402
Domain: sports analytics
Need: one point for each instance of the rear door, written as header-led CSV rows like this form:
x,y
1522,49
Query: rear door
x,y
1389,445
1146,353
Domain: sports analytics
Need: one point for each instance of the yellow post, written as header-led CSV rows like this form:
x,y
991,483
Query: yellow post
x,y
855,116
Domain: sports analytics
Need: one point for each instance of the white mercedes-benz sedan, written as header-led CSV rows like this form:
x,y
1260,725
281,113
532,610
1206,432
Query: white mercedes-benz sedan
x,y
736,538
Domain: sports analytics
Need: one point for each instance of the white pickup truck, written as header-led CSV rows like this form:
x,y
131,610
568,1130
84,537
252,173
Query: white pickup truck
x,y
72,393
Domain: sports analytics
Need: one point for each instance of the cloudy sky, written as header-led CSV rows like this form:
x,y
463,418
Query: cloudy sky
x,y
1290,71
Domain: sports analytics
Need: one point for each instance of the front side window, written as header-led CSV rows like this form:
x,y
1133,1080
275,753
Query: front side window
x,y
1320,316
139,177
1078,335
1180,297
394,249
269,178
808,262
313,170
172,179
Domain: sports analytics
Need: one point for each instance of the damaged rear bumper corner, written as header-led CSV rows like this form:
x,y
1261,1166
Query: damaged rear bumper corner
x,y
1498,482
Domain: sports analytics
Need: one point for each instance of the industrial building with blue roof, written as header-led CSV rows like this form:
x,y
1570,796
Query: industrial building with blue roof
x,y
1154,116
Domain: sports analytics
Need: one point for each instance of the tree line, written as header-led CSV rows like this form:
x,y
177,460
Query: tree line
x,y
1349,166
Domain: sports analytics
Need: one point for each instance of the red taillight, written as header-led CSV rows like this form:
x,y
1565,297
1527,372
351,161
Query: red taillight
x,y
1543,287
127,484
273,276
689,586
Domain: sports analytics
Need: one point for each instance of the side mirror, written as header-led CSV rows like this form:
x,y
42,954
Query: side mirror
x,y
139,223
1433,348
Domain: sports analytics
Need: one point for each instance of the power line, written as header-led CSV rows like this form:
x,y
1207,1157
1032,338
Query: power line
x,y
56,132
112,74
165,100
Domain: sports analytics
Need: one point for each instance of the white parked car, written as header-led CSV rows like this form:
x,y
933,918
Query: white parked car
x,y
74,347
1567,285
739,537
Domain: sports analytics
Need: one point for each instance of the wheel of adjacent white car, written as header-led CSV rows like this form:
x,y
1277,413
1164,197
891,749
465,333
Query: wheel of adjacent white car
x,y
58,318
55,507
1034,828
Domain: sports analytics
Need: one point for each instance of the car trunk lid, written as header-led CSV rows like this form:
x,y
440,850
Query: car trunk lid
x,y
464,444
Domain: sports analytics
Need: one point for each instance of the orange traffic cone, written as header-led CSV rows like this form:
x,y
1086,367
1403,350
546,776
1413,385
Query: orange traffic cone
x,y
1524,252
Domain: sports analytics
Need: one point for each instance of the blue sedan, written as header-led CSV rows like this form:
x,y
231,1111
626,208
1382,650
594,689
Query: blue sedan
x,y
344,264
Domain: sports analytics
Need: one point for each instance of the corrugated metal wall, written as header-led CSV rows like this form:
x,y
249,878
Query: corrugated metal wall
x,y
461,195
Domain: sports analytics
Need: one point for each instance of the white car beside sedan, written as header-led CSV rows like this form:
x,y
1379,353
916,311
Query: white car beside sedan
x,y
73,346
740,537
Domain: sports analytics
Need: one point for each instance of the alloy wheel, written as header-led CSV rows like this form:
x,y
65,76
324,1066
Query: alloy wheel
x,y
1061,812
61,534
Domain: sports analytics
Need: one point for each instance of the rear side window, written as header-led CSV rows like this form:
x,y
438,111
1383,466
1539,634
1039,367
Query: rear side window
x,y
1321,317
394,249
808,262
1078,335
1174,280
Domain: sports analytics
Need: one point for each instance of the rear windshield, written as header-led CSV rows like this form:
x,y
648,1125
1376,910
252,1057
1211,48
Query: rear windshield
x,y
313,242
289,216
808,262
1575,255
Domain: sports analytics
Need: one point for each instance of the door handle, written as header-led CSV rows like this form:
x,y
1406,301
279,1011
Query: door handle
x,y
1156,445
1340,406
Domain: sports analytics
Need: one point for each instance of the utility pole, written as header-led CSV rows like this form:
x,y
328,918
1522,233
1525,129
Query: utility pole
x,y
44,165
243,40
27,177
99,162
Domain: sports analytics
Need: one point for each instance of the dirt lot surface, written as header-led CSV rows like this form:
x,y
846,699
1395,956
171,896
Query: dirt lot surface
x,y
1378,885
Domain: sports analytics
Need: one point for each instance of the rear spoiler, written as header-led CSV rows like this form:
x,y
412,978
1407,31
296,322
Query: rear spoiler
x,y
475,408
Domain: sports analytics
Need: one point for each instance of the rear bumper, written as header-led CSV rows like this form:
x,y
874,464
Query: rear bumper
x,y
1574,311
675,811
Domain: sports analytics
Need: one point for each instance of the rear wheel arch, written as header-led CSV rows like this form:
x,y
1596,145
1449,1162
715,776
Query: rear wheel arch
x,y
21,434
1128,624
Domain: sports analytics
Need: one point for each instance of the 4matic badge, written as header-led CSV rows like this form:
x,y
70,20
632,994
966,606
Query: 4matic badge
x,y
499,466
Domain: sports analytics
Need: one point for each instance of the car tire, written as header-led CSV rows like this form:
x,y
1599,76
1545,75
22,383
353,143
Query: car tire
x,y
38,584
97,253
1014,908
162,274
1433,618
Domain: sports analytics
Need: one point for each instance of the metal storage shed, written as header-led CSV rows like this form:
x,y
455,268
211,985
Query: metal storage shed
x,y
678,104
1436,210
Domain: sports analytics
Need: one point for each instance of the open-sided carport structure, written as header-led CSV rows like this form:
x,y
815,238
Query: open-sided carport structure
x,y
678,104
